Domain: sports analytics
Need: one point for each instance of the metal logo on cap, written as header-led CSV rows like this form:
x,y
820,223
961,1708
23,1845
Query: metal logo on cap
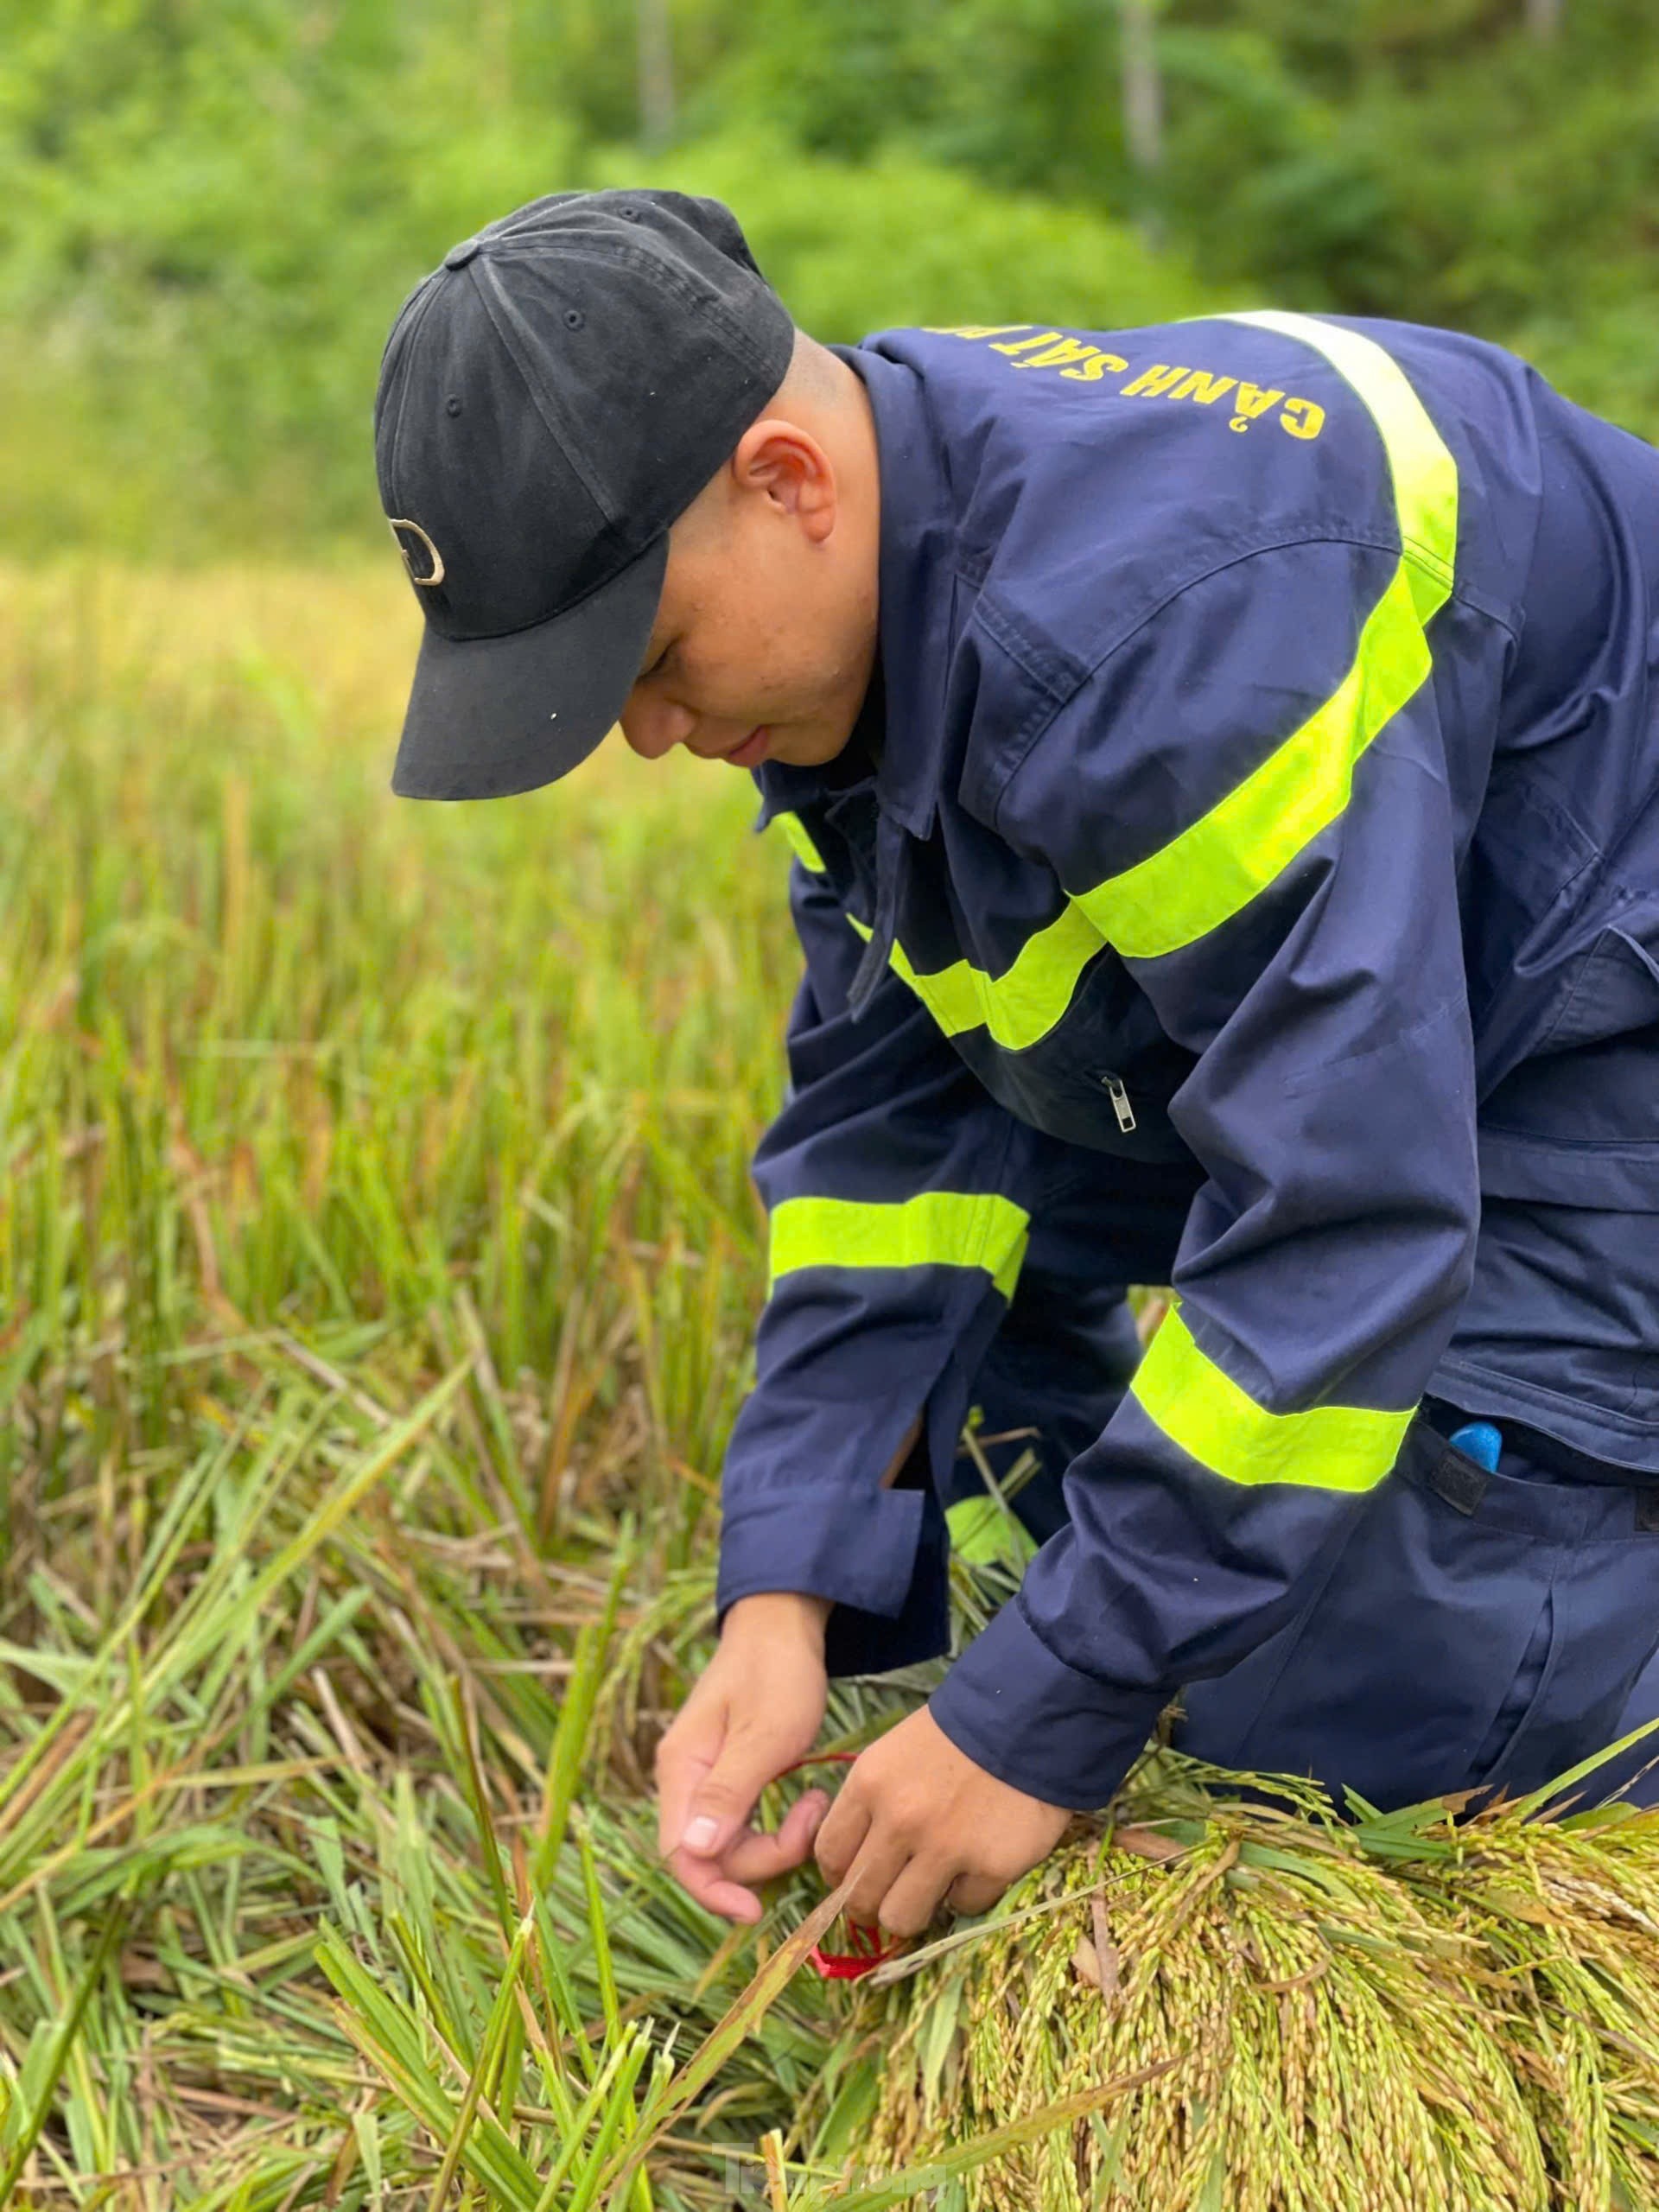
x,y
425,583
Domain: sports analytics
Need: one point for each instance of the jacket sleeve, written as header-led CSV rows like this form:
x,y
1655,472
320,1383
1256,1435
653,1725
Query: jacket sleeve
x,y
1251,800
894,1243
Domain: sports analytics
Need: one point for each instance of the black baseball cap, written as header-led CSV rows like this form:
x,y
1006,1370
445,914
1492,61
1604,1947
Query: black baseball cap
x,y
551,398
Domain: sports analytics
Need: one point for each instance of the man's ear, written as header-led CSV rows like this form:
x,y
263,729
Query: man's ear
x,y
784,464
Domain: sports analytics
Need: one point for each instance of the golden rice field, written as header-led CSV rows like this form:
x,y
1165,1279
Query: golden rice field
x,y
377,1264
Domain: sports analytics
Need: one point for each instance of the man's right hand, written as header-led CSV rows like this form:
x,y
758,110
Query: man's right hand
x,y
756,1708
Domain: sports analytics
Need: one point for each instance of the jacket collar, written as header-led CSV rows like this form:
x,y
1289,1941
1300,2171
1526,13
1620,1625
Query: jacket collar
x,y
903,717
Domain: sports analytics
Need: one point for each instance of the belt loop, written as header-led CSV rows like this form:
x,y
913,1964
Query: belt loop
x,y
1458,1480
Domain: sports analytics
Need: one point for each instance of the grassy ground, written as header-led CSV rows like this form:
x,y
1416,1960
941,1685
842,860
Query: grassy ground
x,y
377,1264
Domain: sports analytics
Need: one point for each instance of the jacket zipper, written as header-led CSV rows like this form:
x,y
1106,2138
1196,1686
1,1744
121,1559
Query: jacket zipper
x,y
1119,1099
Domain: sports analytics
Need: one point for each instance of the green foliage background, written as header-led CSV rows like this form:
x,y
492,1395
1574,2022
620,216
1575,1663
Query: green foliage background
x,y
211,209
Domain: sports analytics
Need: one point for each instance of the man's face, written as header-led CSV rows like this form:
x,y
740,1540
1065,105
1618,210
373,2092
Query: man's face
x,y
765,636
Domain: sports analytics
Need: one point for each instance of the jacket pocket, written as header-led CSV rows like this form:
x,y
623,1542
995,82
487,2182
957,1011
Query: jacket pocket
x,y
1118,1068
1578,1123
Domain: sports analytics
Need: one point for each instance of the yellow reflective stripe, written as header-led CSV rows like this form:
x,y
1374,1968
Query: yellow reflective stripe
x,y
937,1229
981,1531
1425,475
1213,869
1021,1004
800,843
1018,1007
1329,1447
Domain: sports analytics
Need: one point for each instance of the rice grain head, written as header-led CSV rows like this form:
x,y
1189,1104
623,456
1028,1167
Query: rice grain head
x,y
1372,2016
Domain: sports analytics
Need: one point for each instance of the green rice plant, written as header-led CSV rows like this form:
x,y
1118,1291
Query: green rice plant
x,y
375,1250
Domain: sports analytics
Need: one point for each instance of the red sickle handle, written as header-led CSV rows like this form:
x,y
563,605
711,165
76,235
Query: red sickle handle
x,y
844,1966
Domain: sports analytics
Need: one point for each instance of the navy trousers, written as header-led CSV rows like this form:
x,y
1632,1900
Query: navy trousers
x,y
1475,1629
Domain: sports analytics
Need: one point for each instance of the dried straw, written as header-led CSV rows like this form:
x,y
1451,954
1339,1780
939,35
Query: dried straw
x,y
1431,2008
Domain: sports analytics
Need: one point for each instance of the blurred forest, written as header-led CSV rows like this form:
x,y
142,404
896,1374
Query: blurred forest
x,y
210,209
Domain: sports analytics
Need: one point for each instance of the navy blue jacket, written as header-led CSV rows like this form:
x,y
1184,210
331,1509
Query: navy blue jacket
x,y
1268,778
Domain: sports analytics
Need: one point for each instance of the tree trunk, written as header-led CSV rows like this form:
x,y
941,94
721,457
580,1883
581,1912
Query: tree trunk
x,y
656,72
1143,90
1544,18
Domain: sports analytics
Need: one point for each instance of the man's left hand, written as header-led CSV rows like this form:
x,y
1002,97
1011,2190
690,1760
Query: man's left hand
x,y
926,1826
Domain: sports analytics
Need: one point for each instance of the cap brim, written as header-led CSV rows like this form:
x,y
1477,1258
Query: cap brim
x,y
490,716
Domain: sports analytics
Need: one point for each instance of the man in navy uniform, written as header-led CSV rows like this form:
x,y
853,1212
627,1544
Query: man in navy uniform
x,y
1222,765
